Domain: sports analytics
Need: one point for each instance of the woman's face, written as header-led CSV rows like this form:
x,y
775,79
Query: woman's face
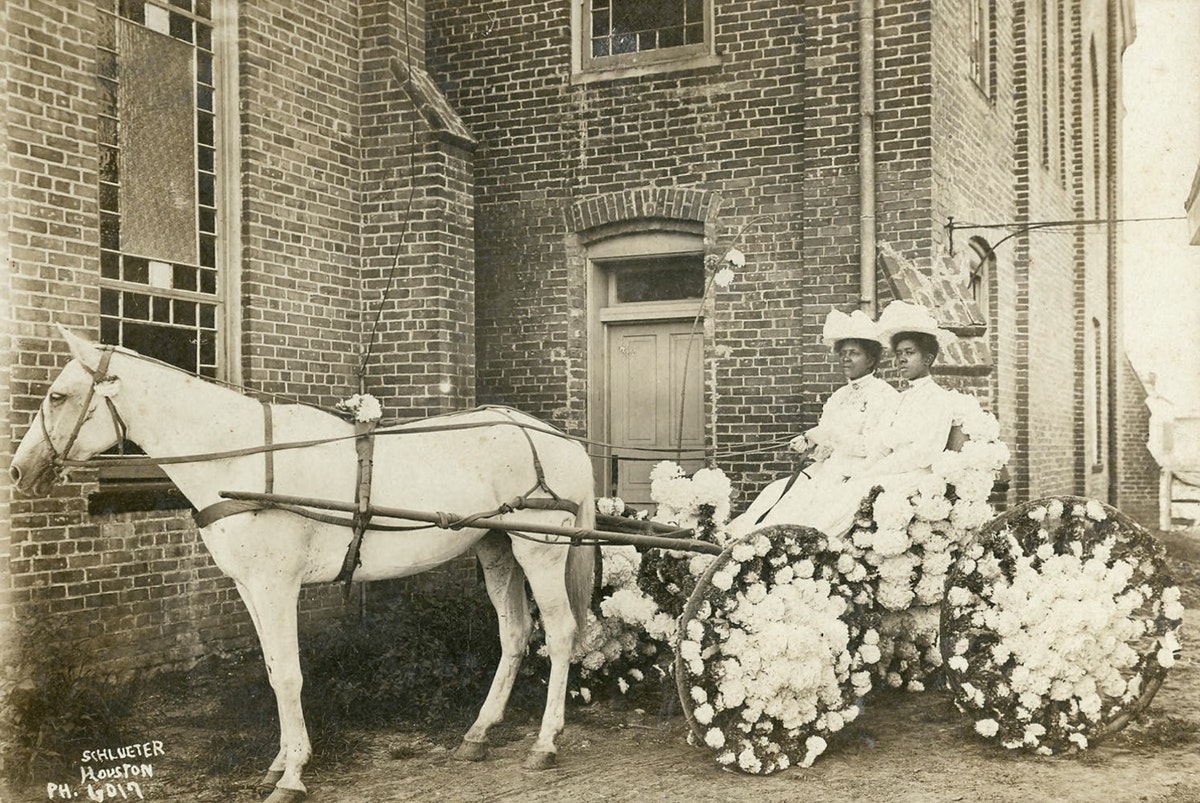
x,y
855,360
912,362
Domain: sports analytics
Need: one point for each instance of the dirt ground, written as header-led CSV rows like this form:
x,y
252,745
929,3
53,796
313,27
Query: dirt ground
x,y
905,747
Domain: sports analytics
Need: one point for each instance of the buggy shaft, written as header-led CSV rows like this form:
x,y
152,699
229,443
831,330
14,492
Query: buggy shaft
x,y
487,522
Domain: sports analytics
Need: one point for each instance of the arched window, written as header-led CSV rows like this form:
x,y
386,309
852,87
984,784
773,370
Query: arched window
x,y
979,269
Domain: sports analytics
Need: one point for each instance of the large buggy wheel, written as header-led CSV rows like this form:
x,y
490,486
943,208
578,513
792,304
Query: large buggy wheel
x,y
774,649
1059,624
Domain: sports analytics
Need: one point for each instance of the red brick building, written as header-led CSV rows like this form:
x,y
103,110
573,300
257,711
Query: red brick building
x,y
235,186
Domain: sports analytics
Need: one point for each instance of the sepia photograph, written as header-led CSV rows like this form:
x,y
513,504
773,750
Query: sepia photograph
x,y
600,400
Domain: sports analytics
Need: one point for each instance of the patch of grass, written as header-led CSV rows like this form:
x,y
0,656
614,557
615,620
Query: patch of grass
x,y
1169,731
59,702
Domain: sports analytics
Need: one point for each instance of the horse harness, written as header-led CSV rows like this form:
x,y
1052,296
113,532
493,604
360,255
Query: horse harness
x,y
361,520
364,439
100,375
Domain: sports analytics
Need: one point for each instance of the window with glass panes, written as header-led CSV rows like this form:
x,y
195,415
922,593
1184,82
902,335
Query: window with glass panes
x,y
617,31
158,206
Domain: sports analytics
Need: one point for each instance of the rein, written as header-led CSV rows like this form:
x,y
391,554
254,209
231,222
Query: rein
x,y
201,457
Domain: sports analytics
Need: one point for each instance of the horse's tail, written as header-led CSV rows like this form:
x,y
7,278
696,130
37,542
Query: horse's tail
x,y
581,567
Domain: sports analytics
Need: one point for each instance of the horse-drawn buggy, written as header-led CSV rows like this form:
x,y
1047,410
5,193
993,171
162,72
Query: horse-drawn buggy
x,y
1053,624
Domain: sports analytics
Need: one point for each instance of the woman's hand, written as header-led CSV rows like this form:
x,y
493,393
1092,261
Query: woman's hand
x,y
800,444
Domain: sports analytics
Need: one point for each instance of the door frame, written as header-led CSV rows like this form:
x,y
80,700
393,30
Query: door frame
x,y
601,313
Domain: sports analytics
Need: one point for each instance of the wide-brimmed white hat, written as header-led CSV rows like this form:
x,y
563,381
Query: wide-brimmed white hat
x,y
856,326
901,316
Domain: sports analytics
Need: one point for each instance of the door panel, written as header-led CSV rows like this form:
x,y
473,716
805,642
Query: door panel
x,y
648,368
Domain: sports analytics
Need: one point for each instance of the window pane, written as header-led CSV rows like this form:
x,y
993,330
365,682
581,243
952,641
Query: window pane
x,y
160,309
110,302
203,36
137,270
181,28
166,343
108,163
110,266
659,278
108,198
629,26
134,10
110,331
136,305
184,312
184,277
110,232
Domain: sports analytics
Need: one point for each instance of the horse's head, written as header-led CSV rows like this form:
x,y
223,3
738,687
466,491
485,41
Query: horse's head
x,y
77,420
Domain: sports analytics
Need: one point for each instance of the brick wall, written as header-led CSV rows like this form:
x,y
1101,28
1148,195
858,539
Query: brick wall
x,y
1137,493
326,135
6,351
547,144
945,148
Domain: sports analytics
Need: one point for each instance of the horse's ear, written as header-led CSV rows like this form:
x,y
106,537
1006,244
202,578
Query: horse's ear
x,y
81,348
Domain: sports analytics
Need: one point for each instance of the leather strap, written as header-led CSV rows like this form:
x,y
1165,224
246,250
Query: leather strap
x,y
364,444
791,481
268,452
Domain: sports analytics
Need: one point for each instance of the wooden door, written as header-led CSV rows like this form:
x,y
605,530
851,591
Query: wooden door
x,y
649,368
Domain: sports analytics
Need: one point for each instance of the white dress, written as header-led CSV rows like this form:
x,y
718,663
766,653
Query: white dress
x,y
852,426
917,433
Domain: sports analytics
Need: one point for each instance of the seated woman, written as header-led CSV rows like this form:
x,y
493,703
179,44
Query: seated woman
x,y
917,432
851,424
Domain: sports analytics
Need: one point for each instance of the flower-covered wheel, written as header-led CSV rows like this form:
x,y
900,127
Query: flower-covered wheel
x,y
775,648
1058,625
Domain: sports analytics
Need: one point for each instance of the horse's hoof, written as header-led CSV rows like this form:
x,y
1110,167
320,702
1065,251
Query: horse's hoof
x,y
267,784
281,795
540,760
471,751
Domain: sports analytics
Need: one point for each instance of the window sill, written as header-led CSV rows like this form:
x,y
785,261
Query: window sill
x,y
127,489
131,497
593,75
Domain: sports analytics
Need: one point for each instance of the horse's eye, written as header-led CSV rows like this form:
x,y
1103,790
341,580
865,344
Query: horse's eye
x,y
57,398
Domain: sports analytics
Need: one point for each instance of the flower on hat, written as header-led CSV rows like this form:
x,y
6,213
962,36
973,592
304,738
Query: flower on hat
x,y
902,316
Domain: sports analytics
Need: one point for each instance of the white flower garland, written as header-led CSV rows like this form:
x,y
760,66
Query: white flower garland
x,y
911,532
631,638
1059,623
776,651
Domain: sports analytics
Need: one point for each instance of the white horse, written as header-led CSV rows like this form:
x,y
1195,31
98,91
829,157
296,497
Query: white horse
x,y
488,460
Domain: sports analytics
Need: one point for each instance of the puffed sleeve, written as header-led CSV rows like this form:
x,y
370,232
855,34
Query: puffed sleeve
x,y
822,434
918,434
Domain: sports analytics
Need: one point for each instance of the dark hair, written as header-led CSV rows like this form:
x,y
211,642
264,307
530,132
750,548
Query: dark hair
x,y
873,348
925,342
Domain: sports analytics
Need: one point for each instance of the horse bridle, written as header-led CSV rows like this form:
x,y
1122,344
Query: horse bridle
x,y
60,459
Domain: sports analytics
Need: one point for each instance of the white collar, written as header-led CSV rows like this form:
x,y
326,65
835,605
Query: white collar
x,y
924,381
862,380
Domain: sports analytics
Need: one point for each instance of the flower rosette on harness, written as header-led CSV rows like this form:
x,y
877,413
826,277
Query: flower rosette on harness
x,y
1059,625
775,649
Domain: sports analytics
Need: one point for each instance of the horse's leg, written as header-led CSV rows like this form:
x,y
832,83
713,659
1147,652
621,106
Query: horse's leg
x,y
275,771
545,566
506,587
273,608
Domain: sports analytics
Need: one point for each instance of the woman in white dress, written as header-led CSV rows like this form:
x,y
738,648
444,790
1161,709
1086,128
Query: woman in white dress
x,y
852,421
917,432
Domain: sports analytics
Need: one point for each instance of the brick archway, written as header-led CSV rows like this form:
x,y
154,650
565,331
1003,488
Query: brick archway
x,y
671,203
